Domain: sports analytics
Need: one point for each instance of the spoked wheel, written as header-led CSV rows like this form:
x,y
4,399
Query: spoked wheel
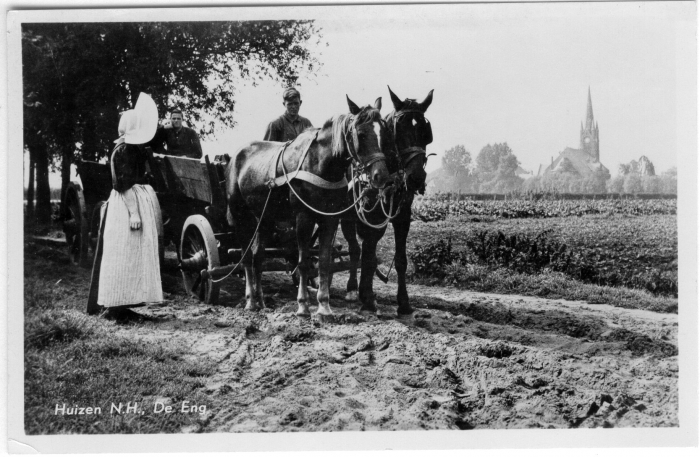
x,y
199,251
75,225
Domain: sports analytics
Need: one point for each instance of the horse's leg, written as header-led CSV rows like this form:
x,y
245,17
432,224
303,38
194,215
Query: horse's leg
x,y
304,229
401,228
258,259
240,219
249,287
370,238
246,235
327,227
350,234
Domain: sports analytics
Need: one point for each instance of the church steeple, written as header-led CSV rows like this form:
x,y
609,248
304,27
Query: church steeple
x,y
589,112
589,134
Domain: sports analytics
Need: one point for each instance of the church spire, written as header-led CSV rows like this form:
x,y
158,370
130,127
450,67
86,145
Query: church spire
x,y
589,112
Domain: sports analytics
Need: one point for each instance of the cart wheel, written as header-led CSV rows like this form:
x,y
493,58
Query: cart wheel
x,y
75,225
199,251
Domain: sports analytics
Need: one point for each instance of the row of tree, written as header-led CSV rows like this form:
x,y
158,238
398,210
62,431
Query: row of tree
x,y
496,171
78,77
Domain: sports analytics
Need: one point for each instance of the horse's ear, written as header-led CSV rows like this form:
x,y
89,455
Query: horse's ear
x,y
378,104
398,104
354,109
426,103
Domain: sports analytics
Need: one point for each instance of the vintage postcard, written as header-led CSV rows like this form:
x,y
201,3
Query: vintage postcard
x,y
352,227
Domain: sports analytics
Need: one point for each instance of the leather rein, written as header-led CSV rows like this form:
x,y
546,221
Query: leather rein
x,y
317,180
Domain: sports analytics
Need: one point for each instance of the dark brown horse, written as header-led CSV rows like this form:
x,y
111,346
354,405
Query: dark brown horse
x,y
310,188
411,134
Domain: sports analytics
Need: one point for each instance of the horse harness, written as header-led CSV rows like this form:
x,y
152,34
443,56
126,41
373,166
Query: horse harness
x,y
276,181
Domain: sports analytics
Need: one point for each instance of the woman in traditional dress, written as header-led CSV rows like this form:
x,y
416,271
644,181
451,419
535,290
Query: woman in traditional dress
x,y
126,272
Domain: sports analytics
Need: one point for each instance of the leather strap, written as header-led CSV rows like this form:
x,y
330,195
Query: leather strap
x,y
310,178
276,181
408,154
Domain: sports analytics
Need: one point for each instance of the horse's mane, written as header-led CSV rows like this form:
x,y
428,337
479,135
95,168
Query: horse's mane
x,y
342,122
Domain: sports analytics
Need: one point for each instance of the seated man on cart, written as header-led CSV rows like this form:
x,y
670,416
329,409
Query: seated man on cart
x,y
289,125
179,140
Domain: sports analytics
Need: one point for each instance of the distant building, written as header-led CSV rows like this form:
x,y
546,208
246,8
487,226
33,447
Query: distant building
x,y
582,161
523,173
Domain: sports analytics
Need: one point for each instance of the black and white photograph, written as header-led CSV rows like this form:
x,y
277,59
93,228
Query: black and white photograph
x,y
352,227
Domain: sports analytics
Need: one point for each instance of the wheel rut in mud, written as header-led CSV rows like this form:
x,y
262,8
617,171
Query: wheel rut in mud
x,y
462,361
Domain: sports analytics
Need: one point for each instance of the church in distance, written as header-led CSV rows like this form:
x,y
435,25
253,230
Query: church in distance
x,y
585,160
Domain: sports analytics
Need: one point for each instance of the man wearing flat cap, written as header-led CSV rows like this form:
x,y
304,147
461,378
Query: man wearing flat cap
x,y
289,125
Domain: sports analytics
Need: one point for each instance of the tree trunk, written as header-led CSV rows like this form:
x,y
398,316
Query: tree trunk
x,y
43,191
30,188
88,151
66,162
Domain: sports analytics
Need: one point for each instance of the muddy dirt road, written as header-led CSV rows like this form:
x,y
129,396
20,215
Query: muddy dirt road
x,y
464,360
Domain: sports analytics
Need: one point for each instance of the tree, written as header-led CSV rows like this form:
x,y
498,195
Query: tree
x,y
495,169
533,184
78,77
567,167
633,183
595,183
616,185
457,161
651,184
669,181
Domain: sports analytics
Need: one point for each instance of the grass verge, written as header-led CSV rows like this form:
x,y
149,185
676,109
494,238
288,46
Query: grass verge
x,y
74,359
97,369
548,284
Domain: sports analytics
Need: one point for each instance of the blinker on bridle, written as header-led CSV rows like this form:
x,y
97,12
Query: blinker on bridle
x,y
408,154
368,161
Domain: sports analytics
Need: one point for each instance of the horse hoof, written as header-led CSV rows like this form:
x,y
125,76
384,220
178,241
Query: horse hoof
x,y
251,307
404,310
324,310
351,296
372,308
303,310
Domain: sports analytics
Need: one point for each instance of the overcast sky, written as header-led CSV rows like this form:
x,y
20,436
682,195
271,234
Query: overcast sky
x,y
514,73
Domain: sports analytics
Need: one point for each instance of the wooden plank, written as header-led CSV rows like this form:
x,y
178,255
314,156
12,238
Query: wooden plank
x,y
188,177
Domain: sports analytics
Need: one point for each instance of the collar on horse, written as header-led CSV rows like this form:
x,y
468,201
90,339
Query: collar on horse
x,y
276,181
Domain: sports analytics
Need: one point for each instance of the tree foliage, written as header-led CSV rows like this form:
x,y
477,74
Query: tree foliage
x,y
457,161
633,184
496,168
78,77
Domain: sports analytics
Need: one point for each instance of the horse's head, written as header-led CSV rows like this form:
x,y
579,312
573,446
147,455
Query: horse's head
x,y
364,137
412,133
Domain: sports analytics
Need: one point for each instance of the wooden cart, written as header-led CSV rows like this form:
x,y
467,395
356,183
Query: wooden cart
x,y
192,198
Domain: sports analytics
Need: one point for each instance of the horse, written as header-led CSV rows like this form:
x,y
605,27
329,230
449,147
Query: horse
x,y
301,181
411,134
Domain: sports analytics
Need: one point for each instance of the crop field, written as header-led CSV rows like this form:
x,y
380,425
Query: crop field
x,y
616,251
570,333
435,209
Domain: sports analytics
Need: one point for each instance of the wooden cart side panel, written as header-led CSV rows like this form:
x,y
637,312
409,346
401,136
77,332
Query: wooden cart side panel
x,y
188,178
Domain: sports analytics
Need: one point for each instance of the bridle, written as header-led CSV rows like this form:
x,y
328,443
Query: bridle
x,y
406,155
360,163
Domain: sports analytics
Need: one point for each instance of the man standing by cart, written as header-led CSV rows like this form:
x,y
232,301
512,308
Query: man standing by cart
x,y
179,140
289,125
